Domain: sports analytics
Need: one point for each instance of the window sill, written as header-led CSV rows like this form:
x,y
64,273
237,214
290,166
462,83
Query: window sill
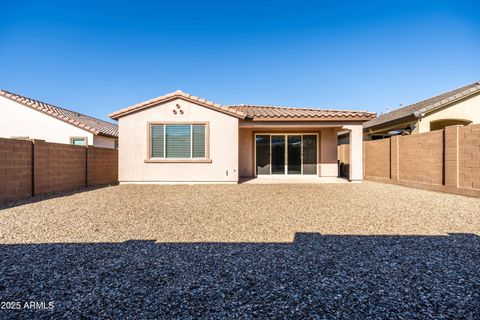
x,y
178,160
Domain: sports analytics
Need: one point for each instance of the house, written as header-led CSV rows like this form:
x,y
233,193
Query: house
x,y
457,107
26,118
181,138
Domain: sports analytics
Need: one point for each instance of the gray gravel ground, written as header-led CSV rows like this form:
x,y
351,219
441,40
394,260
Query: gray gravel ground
x,y
368,251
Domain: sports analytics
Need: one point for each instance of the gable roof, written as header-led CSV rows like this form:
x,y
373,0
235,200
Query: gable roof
x,y
176,95
253,112
417,109
93,125
272,113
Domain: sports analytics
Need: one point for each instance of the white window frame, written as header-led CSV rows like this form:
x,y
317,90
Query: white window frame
x,y
85,139
206,158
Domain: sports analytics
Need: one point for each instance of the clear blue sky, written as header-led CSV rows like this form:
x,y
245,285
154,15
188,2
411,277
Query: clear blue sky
x,y
99,56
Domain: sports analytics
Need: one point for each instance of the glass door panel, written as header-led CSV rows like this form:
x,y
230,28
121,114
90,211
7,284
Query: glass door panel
x,y
309,154
278,154
294,154
262,151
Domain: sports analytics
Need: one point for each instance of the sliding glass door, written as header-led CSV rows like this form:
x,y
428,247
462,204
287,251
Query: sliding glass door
x,y
294,163
310,154
262,151
280,154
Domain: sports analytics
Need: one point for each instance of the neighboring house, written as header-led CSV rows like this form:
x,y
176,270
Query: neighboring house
x,y
181,138
26,118
458,107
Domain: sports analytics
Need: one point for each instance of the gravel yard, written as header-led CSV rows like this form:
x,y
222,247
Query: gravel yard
x,y
361,251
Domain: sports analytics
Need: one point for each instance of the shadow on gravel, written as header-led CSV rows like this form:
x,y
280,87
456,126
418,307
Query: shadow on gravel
x,y
317,276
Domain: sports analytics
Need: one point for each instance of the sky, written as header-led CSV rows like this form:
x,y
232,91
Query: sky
x,y
96,57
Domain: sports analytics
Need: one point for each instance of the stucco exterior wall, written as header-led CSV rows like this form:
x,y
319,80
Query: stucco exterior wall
x,y
17,120
464,110
356,152
223,146
328,153
104,142
246,162
326,158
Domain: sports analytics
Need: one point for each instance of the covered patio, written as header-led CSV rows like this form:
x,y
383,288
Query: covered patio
x,y
297,150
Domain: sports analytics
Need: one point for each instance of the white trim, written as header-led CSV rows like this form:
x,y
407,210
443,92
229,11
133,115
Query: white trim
x,y
85,140
165,142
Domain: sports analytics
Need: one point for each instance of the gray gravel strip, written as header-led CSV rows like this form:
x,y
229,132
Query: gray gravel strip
x,y
328,277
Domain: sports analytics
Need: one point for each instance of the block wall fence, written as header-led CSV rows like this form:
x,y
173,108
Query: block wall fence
x,y
446,160
32,168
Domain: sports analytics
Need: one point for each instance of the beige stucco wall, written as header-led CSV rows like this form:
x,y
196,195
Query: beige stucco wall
x,y
465,110
223,143
17,120
327,156
245,162
104,142
356,151
328,153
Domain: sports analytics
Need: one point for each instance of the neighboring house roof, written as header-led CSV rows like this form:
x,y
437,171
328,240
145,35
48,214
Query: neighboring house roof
x,y
417,109
93,125
260,112
252,111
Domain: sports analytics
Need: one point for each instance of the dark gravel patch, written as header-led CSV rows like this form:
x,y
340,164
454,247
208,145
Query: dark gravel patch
x,y
330,277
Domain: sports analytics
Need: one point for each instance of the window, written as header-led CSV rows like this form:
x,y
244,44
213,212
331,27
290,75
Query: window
x,y
178,141
115,144
78,141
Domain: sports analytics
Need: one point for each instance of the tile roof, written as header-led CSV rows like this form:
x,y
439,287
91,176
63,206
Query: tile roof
x,y
417,109
93,125
262,112
254,112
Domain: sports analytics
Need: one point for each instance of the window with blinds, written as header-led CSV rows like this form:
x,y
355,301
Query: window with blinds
x,y
178,141
198,141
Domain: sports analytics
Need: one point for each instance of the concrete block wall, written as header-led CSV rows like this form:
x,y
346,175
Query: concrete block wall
x,y
420,157
377,155
102,166
29,168
446,160
469,157
58,167
15,169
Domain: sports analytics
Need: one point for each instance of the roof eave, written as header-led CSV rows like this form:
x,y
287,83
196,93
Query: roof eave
x,y
202,102
390,122
435,107
299,119
106,135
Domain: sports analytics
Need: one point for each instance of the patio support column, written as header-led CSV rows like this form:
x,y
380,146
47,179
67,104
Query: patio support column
x,y
356,152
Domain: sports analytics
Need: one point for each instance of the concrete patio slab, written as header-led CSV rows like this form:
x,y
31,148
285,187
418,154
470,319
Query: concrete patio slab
x,y
282,179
